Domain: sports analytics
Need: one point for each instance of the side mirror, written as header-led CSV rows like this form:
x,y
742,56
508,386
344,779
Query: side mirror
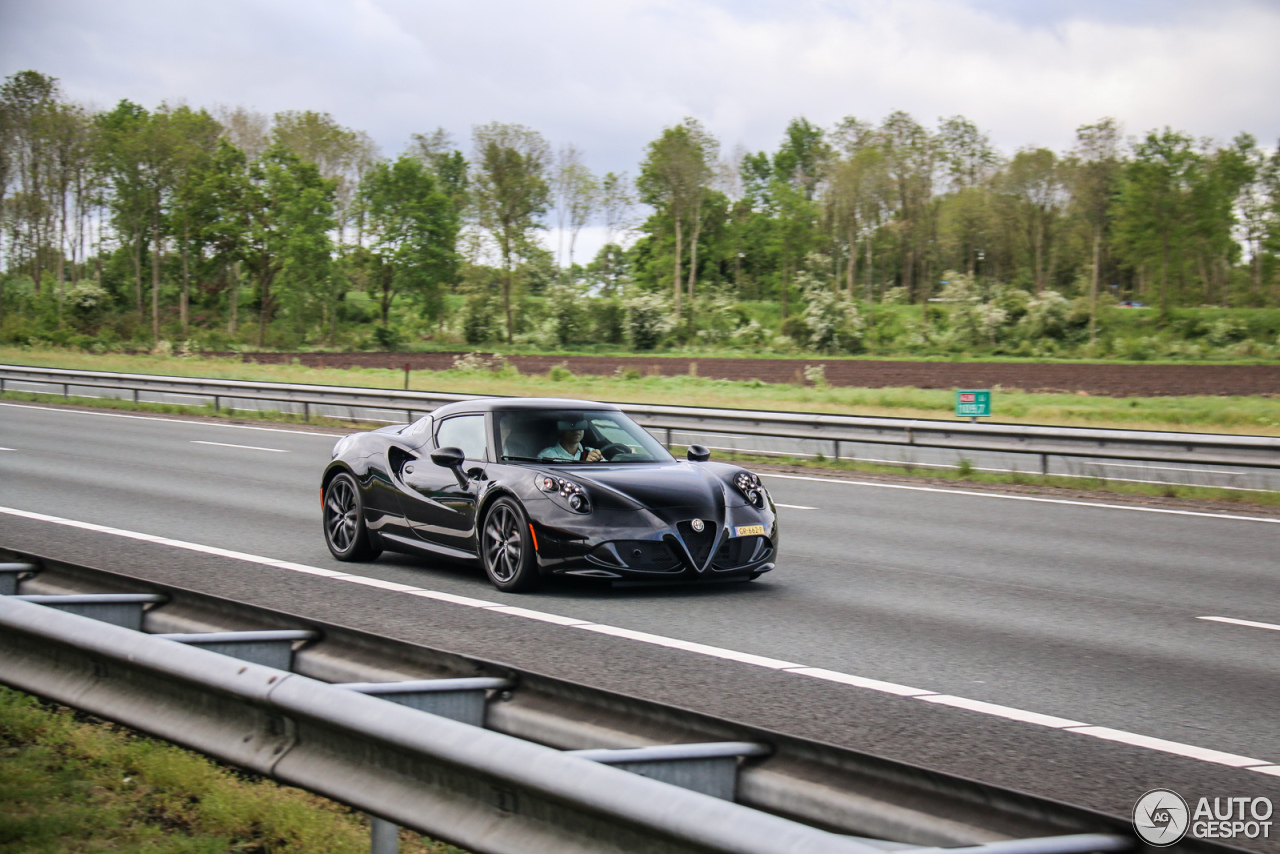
x,y
699,453
451,458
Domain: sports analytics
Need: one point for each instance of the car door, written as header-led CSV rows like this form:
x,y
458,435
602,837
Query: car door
x,y
437,507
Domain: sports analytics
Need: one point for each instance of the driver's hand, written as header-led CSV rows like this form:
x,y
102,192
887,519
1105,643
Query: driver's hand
x,y
594,456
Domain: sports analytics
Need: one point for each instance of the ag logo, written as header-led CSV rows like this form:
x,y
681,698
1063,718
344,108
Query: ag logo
x,y
1161,818
698,525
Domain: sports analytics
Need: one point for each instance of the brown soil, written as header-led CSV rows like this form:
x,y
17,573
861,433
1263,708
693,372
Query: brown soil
x,y
1100,379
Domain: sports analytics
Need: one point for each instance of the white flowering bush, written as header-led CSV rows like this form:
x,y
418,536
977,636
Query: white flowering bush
x,y
648,319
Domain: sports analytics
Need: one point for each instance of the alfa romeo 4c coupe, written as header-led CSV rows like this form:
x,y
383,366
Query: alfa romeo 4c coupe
x,y
535,487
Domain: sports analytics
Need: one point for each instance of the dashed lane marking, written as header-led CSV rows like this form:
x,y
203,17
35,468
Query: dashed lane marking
x,y
174,420
1250,623
1189,751
242,447
1002,496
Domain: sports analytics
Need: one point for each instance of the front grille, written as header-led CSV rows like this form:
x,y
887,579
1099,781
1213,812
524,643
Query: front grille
x,y
698,543
740,551
647,555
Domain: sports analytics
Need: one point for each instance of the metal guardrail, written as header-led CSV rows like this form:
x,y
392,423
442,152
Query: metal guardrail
x,y
812,434
467,781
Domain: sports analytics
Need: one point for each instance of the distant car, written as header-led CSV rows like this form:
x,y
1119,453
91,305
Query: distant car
x,y
1131,304
500,482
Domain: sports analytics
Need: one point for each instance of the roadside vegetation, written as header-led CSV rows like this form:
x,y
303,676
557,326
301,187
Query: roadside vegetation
x,y
172,228
74,783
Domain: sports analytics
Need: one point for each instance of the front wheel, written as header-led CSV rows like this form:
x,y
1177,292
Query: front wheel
x,y
506,548
345,532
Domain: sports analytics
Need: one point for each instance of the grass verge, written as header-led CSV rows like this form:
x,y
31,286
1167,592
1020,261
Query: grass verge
x,y
1253,415
73,783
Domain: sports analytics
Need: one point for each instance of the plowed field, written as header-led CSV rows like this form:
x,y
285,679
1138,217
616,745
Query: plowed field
x,y
1100,379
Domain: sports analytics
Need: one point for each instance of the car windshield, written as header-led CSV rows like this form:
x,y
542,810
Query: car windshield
x,y
575,436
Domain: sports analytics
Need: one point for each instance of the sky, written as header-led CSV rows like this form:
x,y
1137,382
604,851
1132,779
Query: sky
x,y
608,76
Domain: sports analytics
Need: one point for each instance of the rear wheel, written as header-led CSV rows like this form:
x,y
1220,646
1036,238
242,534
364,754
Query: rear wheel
x,y
345,532
506,548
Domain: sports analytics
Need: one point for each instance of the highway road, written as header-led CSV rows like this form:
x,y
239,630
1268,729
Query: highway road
x,y
896,613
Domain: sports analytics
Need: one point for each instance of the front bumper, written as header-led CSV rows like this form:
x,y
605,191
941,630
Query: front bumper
x,y
669,550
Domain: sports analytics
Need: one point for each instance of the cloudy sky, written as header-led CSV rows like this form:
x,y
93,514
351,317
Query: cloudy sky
x,y
608,75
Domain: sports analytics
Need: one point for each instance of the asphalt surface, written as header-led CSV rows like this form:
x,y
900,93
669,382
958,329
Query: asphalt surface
x,y
1079,611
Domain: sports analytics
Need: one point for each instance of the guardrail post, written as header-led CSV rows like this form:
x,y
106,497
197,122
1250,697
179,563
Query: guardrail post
x,y
1044,465
66,390
836,456
384,836
135,395
306,411
215,403
668,438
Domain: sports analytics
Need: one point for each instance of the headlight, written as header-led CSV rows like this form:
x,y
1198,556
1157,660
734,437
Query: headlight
x,y
749,485
569,492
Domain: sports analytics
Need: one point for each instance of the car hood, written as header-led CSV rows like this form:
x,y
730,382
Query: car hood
x,y
654,485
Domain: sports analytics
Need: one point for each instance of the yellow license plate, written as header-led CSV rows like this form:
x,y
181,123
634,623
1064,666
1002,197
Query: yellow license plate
x,y
750,530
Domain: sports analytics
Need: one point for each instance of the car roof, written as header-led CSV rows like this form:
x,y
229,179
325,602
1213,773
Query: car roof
x,y
503,404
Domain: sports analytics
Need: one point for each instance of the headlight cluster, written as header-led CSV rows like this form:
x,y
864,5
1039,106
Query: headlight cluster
x,y
749,485
572,494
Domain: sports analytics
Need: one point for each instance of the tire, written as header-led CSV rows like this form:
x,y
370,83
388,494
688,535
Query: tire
x,y
345,532
506,548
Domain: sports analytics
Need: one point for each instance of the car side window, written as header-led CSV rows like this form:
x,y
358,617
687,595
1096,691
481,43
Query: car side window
x,y
465,432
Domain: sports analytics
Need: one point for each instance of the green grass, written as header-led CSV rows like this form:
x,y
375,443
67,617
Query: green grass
x,y
71,783
1253,415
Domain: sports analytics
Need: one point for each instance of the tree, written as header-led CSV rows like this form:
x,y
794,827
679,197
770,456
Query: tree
x,y
1154,215
912,161
675,178
287,214
413,233
509,192
341,154
1095,174
1035,183
577,197
1258,207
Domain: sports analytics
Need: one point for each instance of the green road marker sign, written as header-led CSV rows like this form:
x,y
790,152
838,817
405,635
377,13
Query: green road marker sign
x,y
973,403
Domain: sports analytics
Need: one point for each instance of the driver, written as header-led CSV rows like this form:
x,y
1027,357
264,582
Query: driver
x,y
570,446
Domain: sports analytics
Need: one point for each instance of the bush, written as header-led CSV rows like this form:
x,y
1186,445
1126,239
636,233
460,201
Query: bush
x,y
648,319
479,319
567,317
388,337
833,322
609,321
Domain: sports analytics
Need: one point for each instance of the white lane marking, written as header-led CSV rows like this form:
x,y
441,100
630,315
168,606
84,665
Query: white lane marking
x,y
690,646
1021,498
1003,711
794,506
1034,718
1250,623
1175,747
860,682
8,449
243,447
174,420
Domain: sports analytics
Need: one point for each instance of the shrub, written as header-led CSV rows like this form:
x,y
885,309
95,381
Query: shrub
x,y
479,319
648,319
567,317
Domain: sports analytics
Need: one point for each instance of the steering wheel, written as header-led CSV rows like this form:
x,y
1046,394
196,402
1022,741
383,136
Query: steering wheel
x,y
612,449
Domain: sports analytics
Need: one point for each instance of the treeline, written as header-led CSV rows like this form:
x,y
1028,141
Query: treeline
x,y
136,226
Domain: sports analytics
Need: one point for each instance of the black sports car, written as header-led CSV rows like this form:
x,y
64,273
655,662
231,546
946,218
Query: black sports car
x,y
532,487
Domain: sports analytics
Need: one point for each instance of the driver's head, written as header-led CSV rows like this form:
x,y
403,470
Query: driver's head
x,y
571,431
